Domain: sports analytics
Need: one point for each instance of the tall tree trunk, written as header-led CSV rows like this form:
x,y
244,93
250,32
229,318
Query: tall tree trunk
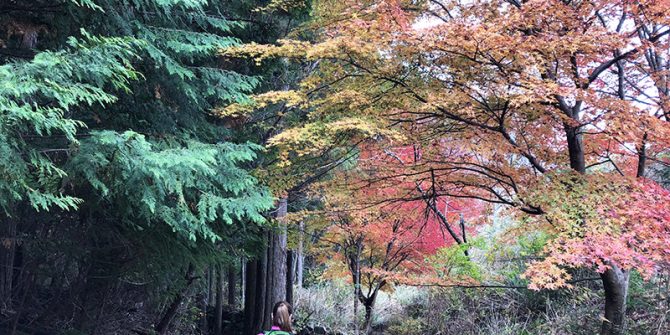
x,y
255,292
231,285
218,311
210,285
357,287
261,292
250,296
243,281
277,263
8,252
204,326
289,277
267,284
280,254
615,282
301,256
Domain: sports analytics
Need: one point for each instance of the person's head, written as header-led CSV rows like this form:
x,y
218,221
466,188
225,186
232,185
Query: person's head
x,y
281,316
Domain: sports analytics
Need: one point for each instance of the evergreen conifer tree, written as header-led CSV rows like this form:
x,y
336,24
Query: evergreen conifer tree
x,y
113,170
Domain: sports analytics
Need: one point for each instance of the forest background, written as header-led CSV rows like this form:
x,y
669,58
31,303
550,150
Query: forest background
x,y
388,167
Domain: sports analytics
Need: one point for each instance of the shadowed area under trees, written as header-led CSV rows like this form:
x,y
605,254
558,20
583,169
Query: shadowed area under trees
x,y
385,166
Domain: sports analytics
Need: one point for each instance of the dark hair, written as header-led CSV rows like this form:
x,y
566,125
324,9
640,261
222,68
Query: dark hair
x,y
281,316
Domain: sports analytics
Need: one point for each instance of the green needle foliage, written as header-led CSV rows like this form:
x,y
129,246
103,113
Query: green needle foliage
x,y
189,187
37,98
112,170
148,66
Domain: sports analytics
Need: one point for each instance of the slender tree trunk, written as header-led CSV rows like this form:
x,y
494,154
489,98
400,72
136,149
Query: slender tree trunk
x,y
231,284
294,265
280,254
210,285
301,257
269,282
289,277
208,300
243,280
8,252
642,157
463,235
615,282
367,325
369,304
357,286
218,311
204,326
261,293
250,296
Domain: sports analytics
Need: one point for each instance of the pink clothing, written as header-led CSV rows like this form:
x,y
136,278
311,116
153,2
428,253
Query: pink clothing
x,y
273,328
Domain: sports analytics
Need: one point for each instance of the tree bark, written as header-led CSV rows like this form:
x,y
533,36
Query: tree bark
x,y
255,294
250,295
280,254
301,257
204,325
218,311
269,282
367,325
289,277
260,294
231,284
575,147
357,286
210,285
369,305
615,282
277,263
642,157
266,285
8,252
243,280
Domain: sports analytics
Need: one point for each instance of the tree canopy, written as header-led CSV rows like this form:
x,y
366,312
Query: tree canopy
x,y
153,150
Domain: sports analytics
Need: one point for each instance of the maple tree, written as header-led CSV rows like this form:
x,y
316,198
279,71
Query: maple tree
x,y
379,239
553,108
377,242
